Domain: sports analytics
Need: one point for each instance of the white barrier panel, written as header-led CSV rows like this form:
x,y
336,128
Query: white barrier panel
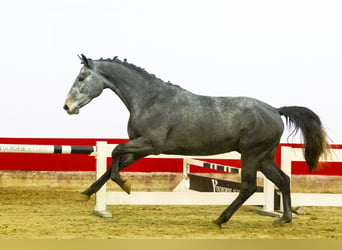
x,y
178,198
187,197
289,154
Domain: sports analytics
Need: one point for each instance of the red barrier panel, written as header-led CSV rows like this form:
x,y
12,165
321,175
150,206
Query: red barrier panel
x,y
74,162
58,162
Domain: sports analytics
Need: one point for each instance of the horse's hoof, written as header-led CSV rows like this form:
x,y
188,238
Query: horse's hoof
x,y
83,197
216,224
280,222
126,186
298,210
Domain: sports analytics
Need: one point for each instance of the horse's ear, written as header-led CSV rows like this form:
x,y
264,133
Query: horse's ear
x,y
84,60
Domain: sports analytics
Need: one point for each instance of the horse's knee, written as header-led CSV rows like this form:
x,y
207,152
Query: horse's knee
x,y
247,191
118,164
115,176
252,189
287,179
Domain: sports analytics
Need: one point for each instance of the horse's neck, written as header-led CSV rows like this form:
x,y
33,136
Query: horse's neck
x,y
131,87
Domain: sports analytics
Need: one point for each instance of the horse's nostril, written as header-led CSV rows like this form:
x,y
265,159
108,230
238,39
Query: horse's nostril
x,y
65,107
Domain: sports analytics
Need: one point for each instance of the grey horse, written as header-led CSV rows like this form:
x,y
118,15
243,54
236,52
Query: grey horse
x,y
165,118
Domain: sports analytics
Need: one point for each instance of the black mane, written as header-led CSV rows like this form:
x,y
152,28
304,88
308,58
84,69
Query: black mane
x,y
115,59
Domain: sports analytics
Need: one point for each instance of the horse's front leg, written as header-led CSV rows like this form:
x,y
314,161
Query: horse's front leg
x,y
111,173
85,195
119,163
124,155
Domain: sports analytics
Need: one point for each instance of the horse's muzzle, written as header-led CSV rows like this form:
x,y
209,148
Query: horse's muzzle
x,y
69,110
66,108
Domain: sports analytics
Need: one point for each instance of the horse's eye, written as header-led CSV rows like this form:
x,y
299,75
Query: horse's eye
x,y
83,75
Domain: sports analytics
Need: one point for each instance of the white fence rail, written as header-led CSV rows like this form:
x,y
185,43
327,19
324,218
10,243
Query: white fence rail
x,y
187,197
266,199
288,155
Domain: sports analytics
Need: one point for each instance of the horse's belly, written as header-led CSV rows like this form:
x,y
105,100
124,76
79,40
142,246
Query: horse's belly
x,y
201,145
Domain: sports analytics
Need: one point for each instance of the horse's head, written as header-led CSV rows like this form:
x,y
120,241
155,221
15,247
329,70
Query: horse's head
x,y
88,85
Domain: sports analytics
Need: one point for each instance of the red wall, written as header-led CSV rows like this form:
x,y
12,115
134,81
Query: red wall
x,y
59,162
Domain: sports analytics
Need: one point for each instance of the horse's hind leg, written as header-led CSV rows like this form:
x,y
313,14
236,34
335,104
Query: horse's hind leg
x,y
282,181
248,187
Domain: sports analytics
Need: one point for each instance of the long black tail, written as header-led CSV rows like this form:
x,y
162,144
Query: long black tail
x,y
315,139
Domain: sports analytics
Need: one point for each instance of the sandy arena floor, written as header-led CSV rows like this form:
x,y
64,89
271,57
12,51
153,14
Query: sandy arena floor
x,y
36,213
